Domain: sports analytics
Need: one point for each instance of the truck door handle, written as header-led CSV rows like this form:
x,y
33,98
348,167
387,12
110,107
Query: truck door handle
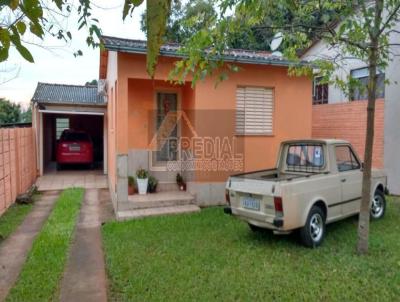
x,y
343,180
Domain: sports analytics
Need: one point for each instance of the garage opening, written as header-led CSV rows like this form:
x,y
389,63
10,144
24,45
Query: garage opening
x,y
54,125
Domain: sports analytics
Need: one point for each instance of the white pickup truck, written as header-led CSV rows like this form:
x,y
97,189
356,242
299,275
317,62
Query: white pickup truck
x,y
314,183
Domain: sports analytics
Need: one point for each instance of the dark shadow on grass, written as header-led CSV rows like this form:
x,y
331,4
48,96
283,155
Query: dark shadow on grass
x,y
268,238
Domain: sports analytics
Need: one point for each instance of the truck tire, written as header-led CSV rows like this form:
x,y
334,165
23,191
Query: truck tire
x,y
313,232
378,205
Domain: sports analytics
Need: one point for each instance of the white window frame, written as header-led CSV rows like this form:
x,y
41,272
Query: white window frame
x,y
255,111
361,73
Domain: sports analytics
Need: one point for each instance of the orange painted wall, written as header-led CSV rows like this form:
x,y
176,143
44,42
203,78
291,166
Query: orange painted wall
x,y
141,106
293,108
348,121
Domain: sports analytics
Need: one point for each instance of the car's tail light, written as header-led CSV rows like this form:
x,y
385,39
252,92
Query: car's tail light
x,y
64,146
278,206
227,197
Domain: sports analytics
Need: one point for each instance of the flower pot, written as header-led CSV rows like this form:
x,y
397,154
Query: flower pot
x,y
142,185
182,187
131,190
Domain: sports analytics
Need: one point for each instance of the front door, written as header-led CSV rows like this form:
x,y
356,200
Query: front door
x,y
350,176
167,129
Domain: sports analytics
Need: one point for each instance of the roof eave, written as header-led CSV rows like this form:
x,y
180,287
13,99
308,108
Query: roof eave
x,y
227,58
63,103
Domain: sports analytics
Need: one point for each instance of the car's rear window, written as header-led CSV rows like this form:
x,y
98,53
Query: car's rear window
x,y
75,136
305,157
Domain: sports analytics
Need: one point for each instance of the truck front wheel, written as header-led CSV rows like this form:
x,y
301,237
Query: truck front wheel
x,y
313,232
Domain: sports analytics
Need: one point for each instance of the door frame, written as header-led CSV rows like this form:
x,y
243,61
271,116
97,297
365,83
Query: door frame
x,y
178,92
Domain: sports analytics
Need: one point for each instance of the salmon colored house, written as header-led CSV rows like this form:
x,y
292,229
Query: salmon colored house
x,y
215,130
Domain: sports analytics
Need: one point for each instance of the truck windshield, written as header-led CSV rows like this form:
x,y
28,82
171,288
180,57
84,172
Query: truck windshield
x,y
305,157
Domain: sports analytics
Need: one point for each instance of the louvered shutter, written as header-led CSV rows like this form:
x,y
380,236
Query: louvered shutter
x,y
254,110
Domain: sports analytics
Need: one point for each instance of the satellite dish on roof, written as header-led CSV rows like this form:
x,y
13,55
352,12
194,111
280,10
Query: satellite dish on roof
x,y
276,41
277,54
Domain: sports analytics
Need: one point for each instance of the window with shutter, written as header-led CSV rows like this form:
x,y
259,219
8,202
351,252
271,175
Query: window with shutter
x,y
254,111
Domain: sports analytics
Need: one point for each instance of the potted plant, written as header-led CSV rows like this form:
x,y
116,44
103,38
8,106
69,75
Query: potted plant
x,y
181,182
153,182
131,185
142,179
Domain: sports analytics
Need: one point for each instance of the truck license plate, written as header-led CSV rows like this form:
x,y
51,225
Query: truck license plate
x,y
74,148
251,203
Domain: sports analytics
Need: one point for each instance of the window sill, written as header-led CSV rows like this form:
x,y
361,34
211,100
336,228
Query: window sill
x,y
255,134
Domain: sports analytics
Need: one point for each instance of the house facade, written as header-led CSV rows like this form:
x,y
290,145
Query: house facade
x,y
205,132
342,114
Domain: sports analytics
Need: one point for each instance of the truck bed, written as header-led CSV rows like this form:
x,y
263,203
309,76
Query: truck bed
x,y
271,175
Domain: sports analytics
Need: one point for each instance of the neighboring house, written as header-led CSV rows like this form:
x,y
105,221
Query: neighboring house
x,y
154,124
342,115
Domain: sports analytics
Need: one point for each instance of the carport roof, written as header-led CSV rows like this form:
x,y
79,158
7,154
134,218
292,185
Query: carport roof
x,y
47,93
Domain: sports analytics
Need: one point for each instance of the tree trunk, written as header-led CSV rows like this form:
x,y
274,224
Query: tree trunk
x,y
363,223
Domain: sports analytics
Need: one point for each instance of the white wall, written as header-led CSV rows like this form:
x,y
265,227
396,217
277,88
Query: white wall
x,y
392,120
392,101
323,51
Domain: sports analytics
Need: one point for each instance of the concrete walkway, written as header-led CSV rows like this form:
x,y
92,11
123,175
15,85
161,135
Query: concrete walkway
x,y
14,250
85,278
60,180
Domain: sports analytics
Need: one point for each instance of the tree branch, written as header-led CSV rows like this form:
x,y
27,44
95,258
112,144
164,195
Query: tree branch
x,y
389,19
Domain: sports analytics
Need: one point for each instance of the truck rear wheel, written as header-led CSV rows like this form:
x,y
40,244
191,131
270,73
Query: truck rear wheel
x,y
313,232
378,205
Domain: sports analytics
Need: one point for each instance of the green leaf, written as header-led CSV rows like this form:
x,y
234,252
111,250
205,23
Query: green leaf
x,y
96,30
78,53
59,3
13,4
3,54
82,25
21,26
24,53
36,29
5,38
33,10
129,5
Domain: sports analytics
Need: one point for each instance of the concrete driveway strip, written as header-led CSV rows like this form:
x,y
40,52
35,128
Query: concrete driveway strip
x,y
14,250
85,277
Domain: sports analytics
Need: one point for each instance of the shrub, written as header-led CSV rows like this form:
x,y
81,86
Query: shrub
x,y
142,173
152,186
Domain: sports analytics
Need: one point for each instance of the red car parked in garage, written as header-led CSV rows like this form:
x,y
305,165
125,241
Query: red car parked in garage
x,y
74,147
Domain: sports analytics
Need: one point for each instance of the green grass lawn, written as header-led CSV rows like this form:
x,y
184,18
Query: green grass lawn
x,y
42,272
12,218
210,256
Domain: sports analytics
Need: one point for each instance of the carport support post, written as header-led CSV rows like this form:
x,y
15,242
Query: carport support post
x,y
122,179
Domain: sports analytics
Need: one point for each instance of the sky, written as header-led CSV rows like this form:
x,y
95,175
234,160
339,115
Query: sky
x,y
55,63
